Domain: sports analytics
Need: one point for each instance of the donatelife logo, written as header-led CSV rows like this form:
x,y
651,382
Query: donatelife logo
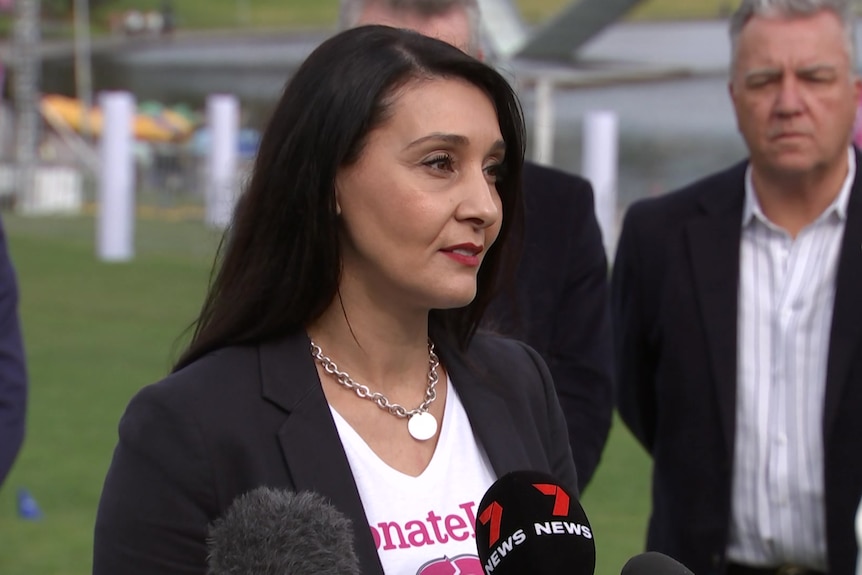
x,y
492,516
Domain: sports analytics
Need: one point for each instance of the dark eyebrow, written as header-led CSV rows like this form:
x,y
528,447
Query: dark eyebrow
x,y
453,140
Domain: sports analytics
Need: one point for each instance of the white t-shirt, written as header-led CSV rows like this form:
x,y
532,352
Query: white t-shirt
x,y
424,525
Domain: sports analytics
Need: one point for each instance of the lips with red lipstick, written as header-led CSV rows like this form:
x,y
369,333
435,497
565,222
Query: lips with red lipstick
x,y
466,254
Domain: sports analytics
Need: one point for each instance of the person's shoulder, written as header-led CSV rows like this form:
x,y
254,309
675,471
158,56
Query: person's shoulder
x,y
213,377
678,205
502,354
549,184
489,343
556,200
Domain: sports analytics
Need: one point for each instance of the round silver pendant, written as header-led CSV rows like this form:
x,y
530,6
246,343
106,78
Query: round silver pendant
x,y
422,426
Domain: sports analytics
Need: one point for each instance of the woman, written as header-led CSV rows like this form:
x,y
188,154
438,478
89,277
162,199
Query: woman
x,y
335,351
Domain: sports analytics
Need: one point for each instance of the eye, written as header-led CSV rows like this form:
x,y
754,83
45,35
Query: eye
x,y
761,80
819,76
440,162
495,172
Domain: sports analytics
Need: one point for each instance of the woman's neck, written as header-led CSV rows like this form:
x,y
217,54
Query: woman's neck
x,y
379,350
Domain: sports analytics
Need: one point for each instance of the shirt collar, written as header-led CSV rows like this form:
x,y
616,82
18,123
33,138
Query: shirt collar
x,y
751,209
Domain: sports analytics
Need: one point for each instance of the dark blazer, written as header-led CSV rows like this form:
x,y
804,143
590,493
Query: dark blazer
x,y
250,416
13,372
562,308
674,293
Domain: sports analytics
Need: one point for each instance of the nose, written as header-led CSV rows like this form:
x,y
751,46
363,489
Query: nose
x,y
789,100
480,203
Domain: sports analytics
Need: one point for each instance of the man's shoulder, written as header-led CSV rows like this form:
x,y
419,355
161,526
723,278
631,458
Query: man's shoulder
x,y
713,191
547,184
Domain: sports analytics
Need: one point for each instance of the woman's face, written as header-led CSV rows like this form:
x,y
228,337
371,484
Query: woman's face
x,y
420,207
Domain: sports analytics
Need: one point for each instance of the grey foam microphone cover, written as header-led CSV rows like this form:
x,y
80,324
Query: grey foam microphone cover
x,y
277,532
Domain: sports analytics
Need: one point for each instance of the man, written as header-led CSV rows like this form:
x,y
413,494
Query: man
x,y
739,318
13,374
561,307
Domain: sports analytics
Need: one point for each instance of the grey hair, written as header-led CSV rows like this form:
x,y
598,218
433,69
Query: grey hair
x,y
748,9
350,11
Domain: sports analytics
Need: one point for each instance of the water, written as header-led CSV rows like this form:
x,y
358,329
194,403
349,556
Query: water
x,y
670,131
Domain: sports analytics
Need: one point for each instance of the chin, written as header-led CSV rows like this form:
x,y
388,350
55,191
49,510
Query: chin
x,y
792,163
456,300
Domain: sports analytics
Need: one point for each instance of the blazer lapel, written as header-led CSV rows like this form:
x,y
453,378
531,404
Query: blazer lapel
x,y
488,415
846,331
713,243
310,443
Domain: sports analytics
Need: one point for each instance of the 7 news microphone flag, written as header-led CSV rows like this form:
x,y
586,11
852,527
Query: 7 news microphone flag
x,y
528,522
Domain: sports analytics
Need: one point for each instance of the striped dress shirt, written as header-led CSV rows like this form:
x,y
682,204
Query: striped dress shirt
x,y
786,296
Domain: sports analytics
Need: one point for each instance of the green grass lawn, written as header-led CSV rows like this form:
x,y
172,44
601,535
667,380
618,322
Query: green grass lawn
x,y
95,333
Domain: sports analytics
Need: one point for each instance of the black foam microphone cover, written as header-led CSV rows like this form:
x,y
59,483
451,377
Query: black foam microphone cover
x,y
528,523
654,563
276,532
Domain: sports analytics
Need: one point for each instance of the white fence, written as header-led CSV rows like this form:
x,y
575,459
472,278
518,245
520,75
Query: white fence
x,y
58,190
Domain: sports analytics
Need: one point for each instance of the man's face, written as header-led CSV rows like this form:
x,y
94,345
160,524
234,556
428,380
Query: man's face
x,y
452,26
794,93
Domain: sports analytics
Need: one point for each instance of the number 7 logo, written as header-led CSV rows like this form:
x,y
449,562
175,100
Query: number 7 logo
x,y
493,514
561,498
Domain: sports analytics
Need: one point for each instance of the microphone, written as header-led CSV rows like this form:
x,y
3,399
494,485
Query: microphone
x,y
529,523
654,563
276,532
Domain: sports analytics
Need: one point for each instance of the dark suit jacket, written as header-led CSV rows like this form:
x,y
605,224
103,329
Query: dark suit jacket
x,y
561,307
251,416
674,292
13,373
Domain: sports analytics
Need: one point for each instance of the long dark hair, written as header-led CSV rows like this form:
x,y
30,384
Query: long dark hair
x,y
279,263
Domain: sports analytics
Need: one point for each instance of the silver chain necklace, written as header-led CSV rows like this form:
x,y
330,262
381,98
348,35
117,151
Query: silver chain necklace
x,y
421,424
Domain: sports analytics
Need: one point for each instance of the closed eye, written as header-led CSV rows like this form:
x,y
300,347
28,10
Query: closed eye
x,y
818,75
762,79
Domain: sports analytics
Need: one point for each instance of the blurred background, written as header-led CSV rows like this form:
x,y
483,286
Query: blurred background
x,y
97,331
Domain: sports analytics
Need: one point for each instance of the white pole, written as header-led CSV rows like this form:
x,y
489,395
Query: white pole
x,y
600,159
116,223
223,119
543,152
25,86
83,68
